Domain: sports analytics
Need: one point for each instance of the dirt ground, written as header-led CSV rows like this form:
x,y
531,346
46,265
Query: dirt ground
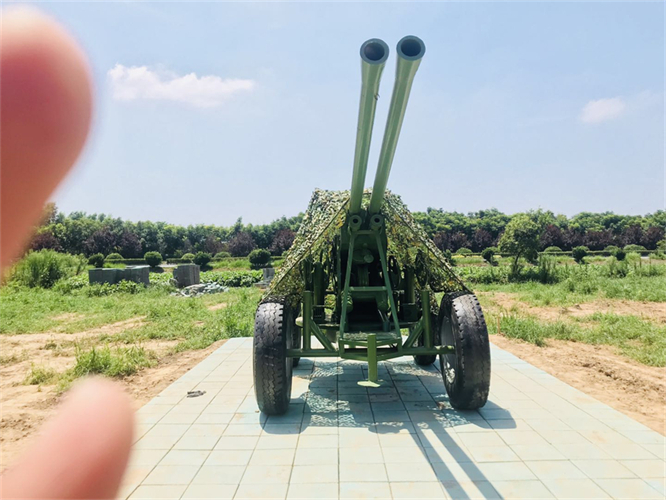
x,y
650,311
24,407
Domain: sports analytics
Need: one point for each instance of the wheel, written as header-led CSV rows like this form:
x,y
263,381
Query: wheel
x,y
274,326
424,359
466,372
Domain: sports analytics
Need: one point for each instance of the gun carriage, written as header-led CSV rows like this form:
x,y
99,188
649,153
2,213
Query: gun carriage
x,y
361,279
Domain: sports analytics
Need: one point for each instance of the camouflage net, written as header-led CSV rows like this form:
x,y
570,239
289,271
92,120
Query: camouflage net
x,y
407,243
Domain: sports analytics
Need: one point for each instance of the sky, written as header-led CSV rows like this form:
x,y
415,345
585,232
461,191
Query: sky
x,y
206,112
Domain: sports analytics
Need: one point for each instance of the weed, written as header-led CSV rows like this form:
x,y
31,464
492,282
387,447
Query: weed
x,y
40,375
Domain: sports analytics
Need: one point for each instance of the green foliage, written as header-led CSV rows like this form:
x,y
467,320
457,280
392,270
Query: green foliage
x,y
640,249
188,257
579,254
221,255
232,278
547,269
488,255
619,254
611,249
259,258
113,257
40,375
202,258
639,339
117,363
521,239
45,267
448,255
96,260
104,289
463,251
153,259
552,249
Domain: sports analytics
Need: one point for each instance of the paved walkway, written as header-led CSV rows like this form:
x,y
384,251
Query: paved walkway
x,y
536,438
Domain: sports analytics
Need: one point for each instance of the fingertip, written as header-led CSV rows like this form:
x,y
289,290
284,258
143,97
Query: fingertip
x,y
82,452
45,111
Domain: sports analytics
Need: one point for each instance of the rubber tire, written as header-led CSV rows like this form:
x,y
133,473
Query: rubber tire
x,y
425,359
273,334
461,323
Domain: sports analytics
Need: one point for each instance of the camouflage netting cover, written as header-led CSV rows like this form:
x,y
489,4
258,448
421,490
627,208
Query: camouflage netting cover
x,y
407,242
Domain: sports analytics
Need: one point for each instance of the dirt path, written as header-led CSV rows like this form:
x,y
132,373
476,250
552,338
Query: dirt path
x,y
24,407
636,390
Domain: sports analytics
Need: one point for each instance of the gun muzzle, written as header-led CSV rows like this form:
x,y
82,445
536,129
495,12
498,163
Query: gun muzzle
x,y
411,50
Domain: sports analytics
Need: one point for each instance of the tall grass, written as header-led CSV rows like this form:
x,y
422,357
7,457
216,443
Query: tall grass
x,y
45,267
120,362
636,338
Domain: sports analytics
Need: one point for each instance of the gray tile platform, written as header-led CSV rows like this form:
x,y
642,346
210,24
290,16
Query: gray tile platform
x,y
536,438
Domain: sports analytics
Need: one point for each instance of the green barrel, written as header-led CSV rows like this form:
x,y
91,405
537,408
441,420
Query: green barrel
x,y
410,51
374,53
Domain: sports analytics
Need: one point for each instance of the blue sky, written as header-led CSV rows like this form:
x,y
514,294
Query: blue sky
x,y
515,106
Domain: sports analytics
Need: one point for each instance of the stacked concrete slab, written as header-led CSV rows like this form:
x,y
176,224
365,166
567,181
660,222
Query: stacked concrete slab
x,y
138,274
186,275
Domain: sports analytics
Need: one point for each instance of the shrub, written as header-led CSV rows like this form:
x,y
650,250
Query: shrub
x,y
113,256
463,251
611,249
153,259
552,249
96,260
259,258
221,255
579,253
547,269
449,257
189,257
619,254
45,267
635,248
488,255
202,258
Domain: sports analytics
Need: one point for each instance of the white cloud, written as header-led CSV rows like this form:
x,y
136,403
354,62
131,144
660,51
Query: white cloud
x,y
602,110
140,82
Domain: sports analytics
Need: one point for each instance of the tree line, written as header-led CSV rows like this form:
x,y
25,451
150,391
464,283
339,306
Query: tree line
x,y
88,234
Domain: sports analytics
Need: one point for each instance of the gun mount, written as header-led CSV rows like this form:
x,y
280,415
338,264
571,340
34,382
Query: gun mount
x,y
360,280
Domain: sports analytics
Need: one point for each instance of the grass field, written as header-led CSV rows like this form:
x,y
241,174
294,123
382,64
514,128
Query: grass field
x,y
112,330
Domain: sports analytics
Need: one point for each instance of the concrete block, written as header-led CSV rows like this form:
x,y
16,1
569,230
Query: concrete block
x,y
138,274
100,275
186,275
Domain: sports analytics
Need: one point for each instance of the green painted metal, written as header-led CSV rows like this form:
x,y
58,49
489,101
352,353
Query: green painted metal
x,y
410,51
373,378
427,319
374,299
374,53
307,320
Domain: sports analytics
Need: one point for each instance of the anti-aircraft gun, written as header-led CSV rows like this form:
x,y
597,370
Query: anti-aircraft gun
x,y
361,278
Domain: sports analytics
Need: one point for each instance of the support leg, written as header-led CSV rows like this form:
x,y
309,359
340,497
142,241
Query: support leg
x,y
372,363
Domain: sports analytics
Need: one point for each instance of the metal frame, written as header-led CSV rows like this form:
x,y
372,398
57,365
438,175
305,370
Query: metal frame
x,y
370,346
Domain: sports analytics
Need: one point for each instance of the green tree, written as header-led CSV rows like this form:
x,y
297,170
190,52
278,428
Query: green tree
x,y
521,239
